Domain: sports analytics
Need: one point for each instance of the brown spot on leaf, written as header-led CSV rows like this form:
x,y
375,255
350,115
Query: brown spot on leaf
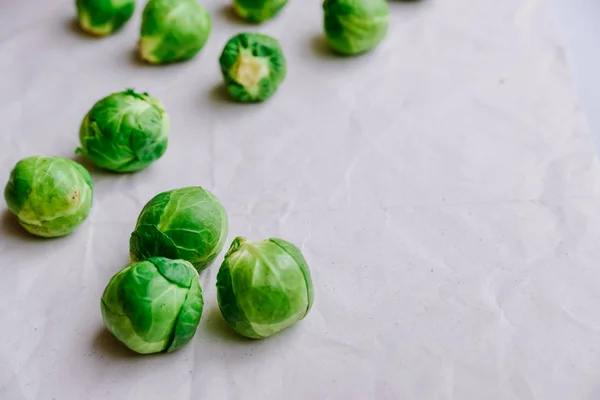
x,y
74,196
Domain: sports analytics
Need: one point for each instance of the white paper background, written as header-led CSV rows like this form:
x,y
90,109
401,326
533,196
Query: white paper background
x,y
443,188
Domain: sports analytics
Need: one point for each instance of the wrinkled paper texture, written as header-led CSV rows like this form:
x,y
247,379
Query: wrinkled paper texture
x,y
444,189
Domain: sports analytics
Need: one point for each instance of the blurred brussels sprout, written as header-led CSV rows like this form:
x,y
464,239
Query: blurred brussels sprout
x,y
103,17
124,132
51,196
258,10
153,306
188,223
253,66
355,26
263,287
173,30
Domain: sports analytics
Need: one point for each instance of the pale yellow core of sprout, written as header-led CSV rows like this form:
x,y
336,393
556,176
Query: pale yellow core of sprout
x,y
250,70
147,46
86,25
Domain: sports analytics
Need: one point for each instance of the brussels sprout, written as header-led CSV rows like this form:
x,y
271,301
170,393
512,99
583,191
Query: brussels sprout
x,y
154,305
258,10
263,287
173,30
188,223
253,66
355,26
51,196
103,17
124,132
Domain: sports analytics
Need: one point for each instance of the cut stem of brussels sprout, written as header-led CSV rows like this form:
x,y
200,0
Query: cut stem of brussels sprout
x,y
258,10
173,30
147,47
253,66
153,306
264,287
125,132
104,17
355,26
249,71
50,196
86,25
188,223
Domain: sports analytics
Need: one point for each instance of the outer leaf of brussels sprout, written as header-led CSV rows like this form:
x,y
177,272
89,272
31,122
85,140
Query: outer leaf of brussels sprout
x,y
104,17
150,316
173,271
147,241
188,223
253,66
189,317
173,30
143,305
51,196
258,10
293,251
125,132
118,323
355,26
262,288
226,297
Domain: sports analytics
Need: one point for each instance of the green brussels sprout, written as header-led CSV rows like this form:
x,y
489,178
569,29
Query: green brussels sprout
x,y
253,66
258,10
125,132
103,17
188,223
263,287
51,196
173,30
153,306
355,26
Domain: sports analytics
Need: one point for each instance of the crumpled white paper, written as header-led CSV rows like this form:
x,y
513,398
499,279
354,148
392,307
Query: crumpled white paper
x,y
443,188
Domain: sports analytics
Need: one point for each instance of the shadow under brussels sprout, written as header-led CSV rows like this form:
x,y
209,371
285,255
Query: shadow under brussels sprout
x,y
319,46
106,345
219,95
97,172
94,170
9,225
133,58
409,3
215,325
226,11
136,60
72,26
